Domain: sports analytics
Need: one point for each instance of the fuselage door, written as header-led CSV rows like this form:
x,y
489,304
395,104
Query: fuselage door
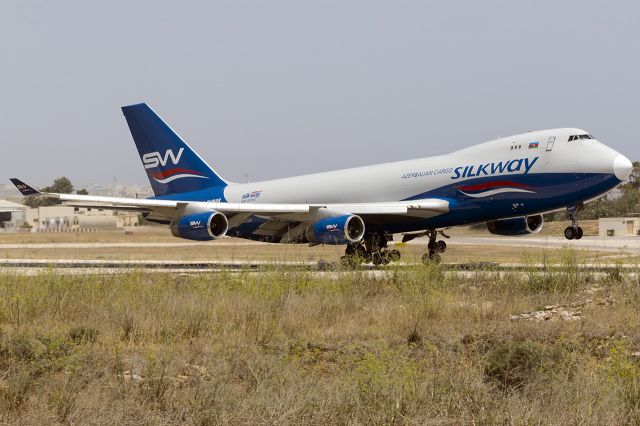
x,y
552,140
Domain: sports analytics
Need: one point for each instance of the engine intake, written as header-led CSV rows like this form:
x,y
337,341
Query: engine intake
x,y
516,226
200,226
345,229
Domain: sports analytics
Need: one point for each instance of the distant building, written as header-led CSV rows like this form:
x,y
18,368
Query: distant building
x,y
12,215
618,226
64,218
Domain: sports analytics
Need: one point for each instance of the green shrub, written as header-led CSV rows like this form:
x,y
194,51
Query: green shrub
x,y
513,364
83,334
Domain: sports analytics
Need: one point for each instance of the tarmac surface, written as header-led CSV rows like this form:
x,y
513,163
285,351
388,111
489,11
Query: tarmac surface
x,y
613,244
324,269
616,246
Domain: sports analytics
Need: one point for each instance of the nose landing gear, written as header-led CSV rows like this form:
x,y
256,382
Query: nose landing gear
x,y
573,232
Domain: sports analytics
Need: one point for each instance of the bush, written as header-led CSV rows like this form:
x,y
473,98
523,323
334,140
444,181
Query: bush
x,y
513,364
83,334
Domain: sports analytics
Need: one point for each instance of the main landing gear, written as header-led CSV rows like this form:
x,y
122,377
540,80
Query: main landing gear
x,y
372,248
573,232
435,247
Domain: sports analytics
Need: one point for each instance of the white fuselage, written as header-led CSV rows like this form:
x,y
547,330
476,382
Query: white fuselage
x,y
406,179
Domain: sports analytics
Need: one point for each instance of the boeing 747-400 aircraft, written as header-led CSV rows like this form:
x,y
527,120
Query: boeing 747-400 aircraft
x,y
508,183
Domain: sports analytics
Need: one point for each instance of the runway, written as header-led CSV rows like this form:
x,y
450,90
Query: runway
x,y
627,244
614,248
97,266
630,245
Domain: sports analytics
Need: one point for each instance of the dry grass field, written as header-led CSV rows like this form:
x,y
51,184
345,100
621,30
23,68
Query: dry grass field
x,y
418,346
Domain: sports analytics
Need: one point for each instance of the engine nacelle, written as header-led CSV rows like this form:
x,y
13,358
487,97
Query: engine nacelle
x,y
200,226
516,226
336,230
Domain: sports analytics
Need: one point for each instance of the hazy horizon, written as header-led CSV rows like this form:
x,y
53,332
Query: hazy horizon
x,y
271,89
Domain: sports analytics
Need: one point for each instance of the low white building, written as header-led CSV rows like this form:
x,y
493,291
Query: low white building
x,y
12,215
65,218
618,226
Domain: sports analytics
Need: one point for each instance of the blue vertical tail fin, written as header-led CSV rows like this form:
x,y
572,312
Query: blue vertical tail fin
x,y
171,165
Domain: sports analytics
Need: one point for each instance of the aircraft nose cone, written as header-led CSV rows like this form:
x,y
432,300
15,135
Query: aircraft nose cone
x,y
622,167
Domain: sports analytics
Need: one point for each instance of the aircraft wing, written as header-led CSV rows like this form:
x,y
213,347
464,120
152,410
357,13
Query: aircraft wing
x,y
239,212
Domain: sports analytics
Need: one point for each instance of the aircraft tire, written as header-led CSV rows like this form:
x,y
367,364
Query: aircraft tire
x,y
441,246
580,233
431,257
570,233
350,262
394,255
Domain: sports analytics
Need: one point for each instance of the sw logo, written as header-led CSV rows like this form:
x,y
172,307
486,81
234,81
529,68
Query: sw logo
x,y
195,224
332,227
153,160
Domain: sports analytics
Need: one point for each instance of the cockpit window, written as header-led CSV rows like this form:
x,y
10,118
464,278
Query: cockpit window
x,y
576,137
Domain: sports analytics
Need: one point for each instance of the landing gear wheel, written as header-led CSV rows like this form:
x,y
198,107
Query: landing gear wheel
x,y
570,233
394,255
350,261
376,258
434,247
431,257
573,232
386,257
354,255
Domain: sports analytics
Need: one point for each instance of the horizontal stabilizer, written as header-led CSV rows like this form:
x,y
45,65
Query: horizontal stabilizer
x,y
24,188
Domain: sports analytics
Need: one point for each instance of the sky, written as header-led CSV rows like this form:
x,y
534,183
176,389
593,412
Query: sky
x,y
267,89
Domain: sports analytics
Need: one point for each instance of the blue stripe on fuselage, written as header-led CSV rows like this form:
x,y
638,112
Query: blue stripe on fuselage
x,y
550,191
560,189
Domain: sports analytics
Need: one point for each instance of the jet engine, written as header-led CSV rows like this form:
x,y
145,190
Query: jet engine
x,y
516,226
200,226
344,229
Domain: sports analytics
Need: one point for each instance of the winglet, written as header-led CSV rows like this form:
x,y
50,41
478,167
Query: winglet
x,y
24,188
